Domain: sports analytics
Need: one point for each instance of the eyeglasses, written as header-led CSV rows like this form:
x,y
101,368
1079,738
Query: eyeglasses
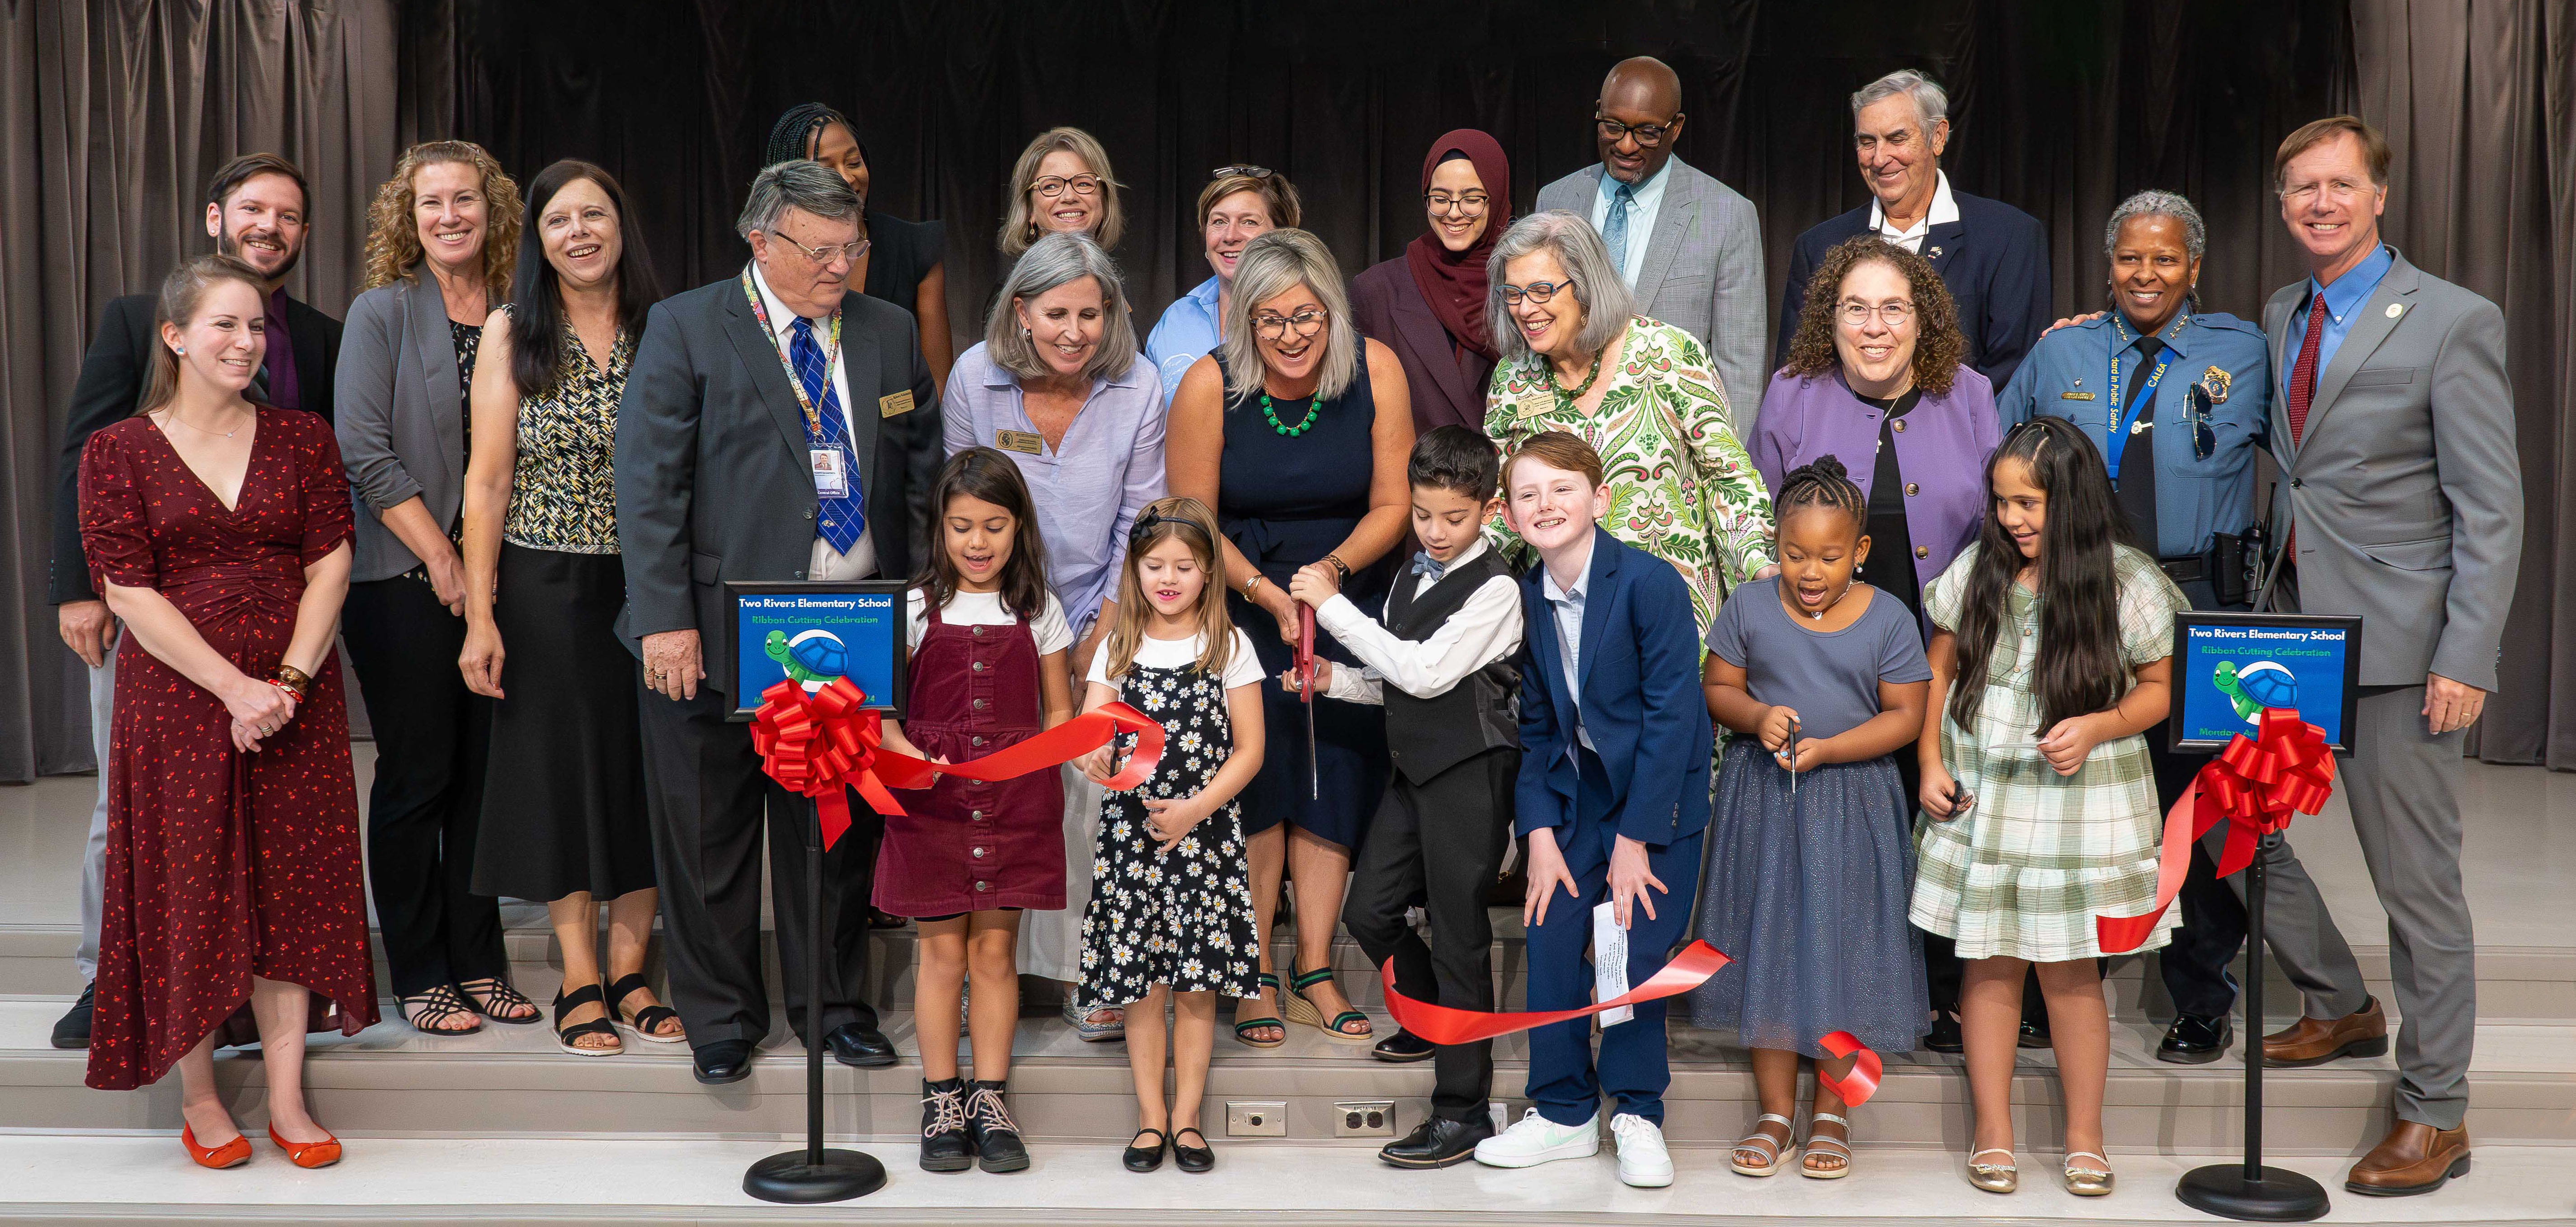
x,y
1537,292
1247,171
2204,438
1271,327
1080,185
1648,135
1856,314
2335,189
824,255
1470,205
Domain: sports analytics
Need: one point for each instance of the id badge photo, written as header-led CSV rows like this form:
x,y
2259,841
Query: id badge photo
x,y
831,473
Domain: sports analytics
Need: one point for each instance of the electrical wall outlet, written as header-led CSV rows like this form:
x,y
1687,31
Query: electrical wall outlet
x,y
1256,1118
1364,1118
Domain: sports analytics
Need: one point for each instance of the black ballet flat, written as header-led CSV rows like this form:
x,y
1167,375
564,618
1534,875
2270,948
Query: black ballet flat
x,y
1140,1159
1192,1159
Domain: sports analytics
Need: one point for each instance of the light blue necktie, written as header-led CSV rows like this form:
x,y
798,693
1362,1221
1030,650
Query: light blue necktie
x,y
837,520
1614,228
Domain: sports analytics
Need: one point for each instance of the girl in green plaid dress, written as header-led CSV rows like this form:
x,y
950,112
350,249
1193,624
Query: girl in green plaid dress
x,y
2049,660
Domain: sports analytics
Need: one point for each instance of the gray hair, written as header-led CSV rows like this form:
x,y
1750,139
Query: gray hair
x,y
1931,102
1603,293
2155,203
1272,264
1057,260
799,184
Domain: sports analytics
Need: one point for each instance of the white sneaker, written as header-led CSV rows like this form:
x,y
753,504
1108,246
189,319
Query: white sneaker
x,y
1536,1140
1643,1161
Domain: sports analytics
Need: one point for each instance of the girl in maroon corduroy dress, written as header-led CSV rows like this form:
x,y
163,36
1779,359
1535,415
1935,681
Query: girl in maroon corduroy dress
x,y
967,856
233,873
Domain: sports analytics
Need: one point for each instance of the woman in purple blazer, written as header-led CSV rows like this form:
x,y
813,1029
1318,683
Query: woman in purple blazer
x,y
1875,378
1428,305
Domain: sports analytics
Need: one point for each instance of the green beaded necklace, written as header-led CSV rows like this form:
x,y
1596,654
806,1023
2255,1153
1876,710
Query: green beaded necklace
x,y
1565,397
1314,405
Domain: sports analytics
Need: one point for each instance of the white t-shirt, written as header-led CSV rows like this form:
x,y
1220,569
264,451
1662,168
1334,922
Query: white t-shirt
x,y
1242,668
985,609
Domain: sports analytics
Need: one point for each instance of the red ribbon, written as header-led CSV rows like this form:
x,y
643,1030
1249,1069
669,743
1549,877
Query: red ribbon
x,y
1442,1024
2255,786
1862,1082
817,744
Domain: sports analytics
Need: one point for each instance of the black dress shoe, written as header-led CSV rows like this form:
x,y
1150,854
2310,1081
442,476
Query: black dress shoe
x,y
945,1144
72,1030
1141,1158
721,1062
1192,1159
2193,1040
2035,1035
865,1047
1439,1142
1946,1037
1403,1048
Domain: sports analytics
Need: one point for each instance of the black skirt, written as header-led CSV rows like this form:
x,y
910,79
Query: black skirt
x,y
563,805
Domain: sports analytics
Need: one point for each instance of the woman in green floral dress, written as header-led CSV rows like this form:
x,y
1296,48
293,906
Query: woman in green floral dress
x,y
1577,357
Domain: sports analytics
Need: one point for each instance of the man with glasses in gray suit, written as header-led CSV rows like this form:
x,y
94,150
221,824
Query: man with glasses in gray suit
x,y
1688,245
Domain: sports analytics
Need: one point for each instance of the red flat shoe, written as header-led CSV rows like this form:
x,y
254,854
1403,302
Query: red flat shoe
x,y
307,1154
231,1154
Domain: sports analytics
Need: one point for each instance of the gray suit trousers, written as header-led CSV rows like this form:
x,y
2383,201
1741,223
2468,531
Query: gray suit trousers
x,y
2403,789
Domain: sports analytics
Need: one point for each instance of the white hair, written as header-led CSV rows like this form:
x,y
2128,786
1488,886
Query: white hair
x,y
798,184
1604,294
1052,261
1930,101
2155,203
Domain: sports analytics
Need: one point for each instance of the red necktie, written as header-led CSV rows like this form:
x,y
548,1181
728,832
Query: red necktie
x,y
2303,374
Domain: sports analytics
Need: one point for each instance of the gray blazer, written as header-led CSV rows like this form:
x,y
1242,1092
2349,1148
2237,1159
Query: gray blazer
x,y
1703,274
713,479
2405,488
401,418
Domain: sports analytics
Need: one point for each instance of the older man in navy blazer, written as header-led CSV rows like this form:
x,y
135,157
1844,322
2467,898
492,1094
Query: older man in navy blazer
x,y
1613,797
1992,256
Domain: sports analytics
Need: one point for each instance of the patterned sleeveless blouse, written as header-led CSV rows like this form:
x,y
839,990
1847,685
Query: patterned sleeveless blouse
x,y
563,495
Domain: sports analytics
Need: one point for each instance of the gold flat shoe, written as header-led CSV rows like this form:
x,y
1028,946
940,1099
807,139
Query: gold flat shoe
x,y
2088,1181
1994,1177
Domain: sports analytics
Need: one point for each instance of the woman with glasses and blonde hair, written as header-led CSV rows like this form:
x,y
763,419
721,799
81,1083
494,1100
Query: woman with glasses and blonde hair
x,y
442,245
1577,357
1269,429
1062,184
1236,206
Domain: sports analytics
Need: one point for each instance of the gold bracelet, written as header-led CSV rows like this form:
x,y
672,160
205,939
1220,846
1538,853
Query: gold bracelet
x,y
293,679
1249,585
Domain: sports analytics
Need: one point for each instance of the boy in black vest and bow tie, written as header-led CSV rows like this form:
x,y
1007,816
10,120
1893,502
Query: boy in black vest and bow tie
x,y
1442,666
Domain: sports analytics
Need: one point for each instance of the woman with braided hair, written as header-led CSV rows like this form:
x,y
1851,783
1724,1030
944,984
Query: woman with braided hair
x,y
1822,676
905,261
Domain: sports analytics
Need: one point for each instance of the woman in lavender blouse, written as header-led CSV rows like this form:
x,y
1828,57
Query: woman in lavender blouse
x,y
1057,385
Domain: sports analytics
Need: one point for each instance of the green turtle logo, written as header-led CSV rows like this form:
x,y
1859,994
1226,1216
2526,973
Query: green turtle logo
x,y
2257,686
811,659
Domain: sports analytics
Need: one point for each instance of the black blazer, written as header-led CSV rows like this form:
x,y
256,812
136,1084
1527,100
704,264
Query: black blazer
x,y
713,479
112,378
1994,260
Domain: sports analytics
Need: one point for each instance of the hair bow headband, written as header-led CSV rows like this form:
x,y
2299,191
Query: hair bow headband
x,y
1151,520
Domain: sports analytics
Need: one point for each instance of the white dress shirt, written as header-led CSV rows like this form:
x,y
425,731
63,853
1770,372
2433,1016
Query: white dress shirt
x,y
1485,629
1943,211
825,562
1642,208
1568,604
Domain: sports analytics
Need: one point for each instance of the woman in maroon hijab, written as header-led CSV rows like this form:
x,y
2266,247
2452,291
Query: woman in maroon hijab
x,y
1428,304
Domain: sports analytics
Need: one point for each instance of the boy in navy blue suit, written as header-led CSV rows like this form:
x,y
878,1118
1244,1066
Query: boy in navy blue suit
x,y
1613,795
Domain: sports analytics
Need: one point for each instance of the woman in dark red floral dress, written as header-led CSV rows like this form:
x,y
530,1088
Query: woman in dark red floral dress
x,y
218,530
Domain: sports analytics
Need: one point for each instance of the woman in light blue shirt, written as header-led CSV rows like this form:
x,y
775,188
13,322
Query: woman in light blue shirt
x,y
1237,204
1056,384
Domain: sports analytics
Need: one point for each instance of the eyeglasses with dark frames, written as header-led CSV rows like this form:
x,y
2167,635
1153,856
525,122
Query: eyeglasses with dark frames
x,y
1247,170
1053,186
1270,327
1648,135
1538,292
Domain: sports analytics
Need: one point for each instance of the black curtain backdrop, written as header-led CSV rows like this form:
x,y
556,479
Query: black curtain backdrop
x,y
2060,109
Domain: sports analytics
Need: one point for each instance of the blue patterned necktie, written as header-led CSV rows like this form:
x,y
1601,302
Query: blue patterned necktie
x,y
1614,228
837,520
1425,564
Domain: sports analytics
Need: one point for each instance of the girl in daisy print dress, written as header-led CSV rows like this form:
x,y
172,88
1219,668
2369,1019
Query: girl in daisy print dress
x,y
1170,918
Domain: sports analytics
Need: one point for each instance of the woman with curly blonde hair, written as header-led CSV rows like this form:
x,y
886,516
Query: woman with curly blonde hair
x,y
442,242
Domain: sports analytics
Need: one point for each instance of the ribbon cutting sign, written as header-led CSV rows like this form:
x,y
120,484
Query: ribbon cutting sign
x,y
817,744
2256,785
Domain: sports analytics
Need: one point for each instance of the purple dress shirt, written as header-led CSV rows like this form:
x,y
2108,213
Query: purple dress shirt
x,y
1942,450
279,365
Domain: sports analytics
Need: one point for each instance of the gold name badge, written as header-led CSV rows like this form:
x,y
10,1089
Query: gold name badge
x,y
2074,396
895,405
1019,441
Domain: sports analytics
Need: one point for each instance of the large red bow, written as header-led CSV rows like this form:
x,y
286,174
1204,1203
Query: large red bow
x,y
2255,786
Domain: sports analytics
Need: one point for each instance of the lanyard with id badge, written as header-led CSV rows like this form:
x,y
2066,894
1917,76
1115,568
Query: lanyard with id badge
x,y
830,460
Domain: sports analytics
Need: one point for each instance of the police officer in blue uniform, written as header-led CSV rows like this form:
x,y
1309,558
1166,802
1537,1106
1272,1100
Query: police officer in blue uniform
x,y
2180,401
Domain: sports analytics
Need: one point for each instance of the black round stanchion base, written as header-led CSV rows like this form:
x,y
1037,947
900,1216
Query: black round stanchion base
x,y
2281,1196
842,1175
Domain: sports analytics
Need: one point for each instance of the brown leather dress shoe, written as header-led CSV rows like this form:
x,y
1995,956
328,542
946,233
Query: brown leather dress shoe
x,y
2315,1041
2413,1158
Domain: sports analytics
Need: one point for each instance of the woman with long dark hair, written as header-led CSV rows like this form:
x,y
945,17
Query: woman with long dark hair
x,y
563,812
2051,649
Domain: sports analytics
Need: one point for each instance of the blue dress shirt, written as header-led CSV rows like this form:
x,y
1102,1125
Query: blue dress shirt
x,y
2343,298
1185,334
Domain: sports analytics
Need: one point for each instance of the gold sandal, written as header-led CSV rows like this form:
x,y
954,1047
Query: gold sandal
x,y
1756,1138
2088,1181
1994,1177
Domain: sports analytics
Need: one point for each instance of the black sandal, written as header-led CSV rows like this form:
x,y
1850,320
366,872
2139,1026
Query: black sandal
x,y
1139,1159
1244,1027
1192,1159
436,1006
503,998
566,1003
1301,1010
646,1021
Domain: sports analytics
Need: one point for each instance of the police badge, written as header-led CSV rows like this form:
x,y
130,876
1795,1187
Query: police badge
x,y
2214,383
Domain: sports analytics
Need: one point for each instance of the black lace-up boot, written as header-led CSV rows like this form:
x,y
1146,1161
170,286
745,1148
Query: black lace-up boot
x,y
997,1136
945,1144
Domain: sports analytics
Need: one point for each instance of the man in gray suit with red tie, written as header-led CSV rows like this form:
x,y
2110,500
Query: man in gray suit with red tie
x,y
2401,501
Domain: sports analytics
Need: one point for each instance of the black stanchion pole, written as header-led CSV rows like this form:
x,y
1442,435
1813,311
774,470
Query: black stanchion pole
x,y
814,1174
2250,1191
